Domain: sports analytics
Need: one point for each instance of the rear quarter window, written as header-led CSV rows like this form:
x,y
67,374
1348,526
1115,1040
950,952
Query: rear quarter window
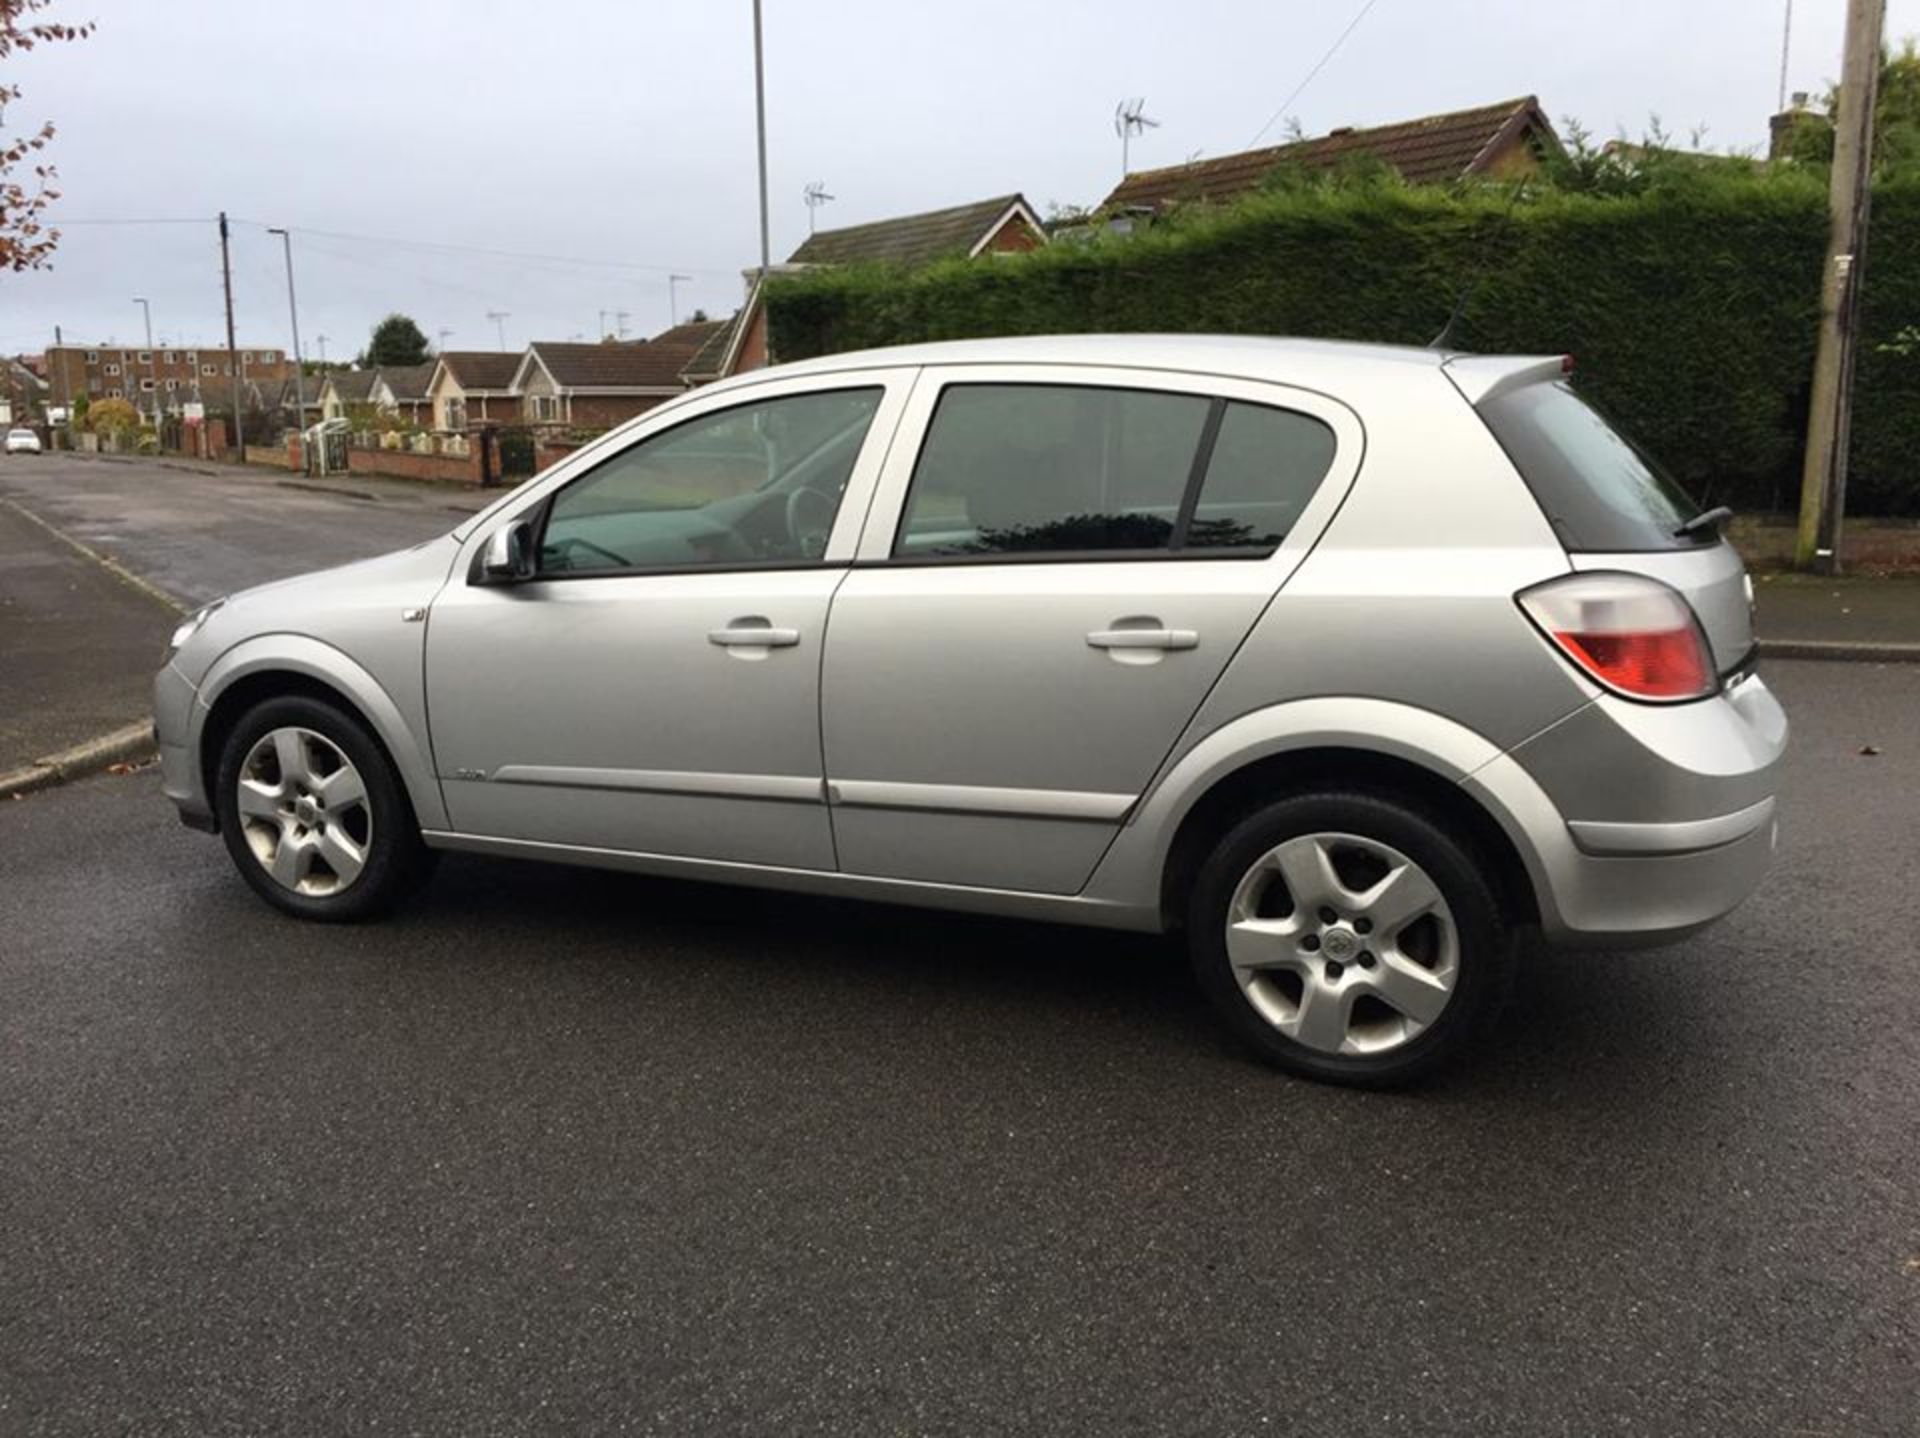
x,y
1600,491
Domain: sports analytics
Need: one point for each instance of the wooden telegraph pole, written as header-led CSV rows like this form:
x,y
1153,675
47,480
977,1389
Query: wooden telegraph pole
x,y
1823,481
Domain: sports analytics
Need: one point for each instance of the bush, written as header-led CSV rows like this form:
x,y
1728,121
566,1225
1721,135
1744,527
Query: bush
x,y
1690,304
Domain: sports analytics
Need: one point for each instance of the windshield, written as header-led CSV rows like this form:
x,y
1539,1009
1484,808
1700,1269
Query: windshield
x,y
1600,491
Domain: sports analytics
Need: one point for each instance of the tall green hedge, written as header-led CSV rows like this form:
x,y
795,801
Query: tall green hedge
x,y
1691,309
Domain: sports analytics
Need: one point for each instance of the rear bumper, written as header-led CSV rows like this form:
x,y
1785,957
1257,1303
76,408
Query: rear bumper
x,y
1640,825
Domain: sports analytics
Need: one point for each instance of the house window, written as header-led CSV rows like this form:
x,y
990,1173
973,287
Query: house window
x,y
546,406
168,357
172,385
126,356
114,393
456,411
146,386
209,369
113,369
146,356
193,356
93,356
269,356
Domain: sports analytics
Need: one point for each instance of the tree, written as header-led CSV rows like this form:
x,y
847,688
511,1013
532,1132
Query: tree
x,y
25,243
1896,118
397,340
111,416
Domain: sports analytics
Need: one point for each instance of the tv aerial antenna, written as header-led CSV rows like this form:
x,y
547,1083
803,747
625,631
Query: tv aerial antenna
x,y
1130,119
815,195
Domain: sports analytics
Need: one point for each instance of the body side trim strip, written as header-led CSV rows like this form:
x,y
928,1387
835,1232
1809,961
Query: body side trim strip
x,y
981,799
783,788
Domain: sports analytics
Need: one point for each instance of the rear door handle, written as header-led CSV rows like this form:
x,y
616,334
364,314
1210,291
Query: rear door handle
x,y
1144,639
753,633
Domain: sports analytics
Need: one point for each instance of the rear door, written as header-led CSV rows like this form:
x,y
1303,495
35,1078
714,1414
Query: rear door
x,y
1059,563
1614,508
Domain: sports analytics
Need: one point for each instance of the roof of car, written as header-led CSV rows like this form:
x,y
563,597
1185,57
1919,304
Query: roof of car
x,y
1250,356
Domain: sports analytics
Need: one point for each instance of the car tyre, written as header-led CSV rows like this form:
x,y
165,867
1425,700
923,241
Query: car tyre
x,y
1350,938
314,814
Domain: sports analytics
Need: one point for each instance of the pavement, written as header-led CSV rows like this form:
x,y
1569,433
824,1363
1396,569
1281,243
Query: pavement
x,y
1846,615
558,1151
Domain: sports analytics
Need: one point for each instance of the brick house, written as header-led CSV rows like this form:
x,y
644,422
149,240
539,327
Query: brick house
x,y
472,387
178,375
342,388
1005,224
1495,141
402,390
600,385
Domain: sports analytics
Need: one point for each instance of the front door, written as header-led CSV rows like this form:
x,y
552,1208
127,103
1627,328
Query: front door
x,y
1046,593
654,687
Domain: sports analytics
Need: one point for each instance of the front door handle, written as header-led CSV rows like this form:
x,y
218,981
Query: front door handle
x,y
1144,639
753,632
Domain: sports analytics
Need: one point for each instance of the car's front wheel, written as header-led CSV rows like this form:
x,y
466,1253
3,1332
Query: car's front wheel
x,y
313,813
1349,937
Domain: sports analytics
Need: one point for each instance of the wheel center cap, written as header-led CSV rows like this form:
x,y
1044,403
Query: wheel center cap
x,y
1341,944
305,809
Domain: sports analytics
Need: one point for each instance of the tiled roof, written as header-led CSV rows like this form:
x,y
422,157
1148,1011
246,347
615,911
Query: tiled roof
x,y
908,240
408,382
649,364
707,360
352,385
482,369
692,334
1431,150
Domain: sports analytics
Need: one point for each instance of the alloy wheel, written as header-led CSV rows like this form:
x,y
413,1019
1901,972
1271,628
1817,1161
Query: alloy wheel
x,y
304,812
1342,943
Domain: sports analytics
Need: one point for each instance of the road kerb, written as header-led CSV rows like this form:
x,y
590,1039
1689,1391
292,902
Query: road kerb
x,y
105,561
1840,650
134,742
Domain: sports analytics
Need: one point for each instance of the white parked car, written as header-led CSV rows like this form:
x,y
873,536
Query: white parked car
x,y
22,441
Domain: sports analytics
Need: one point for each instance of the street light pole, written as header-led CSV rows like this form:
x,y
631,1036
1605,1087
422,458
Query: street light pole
x,y
153,374
760,123
293,315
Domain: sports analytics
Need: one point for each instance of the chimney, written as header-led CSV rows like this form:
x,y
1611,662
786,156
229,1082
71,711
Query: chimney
x,y
1782,127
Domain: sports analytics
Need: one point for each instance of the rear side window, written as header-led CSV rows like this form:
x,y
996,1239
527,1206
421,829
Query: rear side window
x,y
1599,490
1063,470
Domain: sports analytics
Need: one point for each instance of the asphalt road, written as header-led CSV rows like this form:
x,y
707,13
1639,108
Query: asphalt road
x,y
569,1152
200,535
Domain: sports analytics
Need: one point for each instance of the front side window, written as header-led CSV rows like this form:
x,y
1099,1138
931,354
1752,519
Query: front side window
x,y
1059,470
757,484
113,369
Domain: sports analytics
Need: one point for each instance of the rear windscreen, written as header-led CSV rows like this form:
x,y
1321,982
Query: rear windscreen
x,y
1599,490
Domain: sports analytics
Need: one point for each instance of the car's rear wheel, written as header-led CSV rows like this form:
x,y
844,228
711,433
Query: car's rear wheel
x,y
313,814
1349,937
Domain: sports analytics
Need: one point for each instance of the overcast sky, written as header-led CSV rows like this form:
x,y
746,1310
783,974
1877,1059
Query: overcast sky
x,y
617,138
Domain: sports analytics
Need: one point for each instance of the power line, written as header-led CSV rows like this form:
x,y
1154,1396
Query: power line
x,y
1319,65
524,255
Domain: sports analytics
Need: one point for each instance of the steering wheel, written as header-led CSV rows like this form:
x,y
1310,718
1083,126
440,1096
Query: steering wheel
x,y
810,520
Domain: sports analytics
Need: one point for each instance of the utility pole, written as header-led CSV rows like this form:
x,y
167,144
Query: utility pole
x,y
236,439
293,315
153,374
1823,481
500,318
322,341
760,129
1786,51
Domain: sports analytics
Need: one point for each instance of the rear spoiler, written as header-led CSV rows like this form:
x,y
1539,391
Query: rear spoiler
x,y
1481,377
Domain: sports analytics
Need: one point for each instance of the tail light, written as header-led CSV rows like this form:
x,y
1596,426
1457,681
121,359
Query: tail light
x,y
1633,634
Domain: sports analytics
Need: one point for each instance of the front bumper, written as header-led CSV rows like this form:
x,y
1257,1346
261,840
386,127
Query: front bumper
x,y
173,699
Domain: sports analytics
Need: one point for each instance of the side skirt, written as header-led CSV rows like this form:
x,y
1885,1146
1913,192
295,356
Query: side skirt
x,y
1006,903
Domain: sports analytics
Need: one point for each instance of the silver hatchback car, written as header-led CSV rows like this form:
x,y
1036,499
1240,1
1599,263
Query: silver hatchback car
x,y
1356,664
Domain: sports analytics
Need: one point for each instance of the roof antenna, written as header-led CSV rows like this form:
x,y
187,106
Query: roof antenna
x,y
1128,121
815,195
1444,340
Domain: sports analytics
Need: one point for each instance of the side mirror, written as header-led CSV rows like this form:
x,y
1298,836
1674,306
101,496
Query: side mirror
x,y
509,554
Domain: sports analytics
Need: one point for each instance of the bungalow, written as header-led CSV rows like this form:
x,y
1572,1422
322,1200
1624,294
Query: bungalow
x,y
1504,139
1005,224
346,388
600,385
402,390
472,387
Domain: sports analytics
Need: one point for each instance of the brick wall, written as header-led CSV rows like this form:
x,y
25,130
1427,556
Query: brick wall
x,y
285,456
549,452
601,411
405,464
